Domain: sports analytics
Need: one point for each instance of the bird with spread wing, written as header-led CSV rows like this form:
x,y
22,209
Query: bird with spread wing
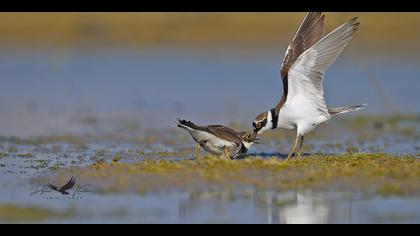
x,y
63,190
302,106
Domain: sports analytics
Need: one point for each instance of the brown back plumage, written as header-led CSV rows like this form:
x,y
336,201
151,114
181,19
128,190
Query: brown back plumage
x,y
224,132
219,131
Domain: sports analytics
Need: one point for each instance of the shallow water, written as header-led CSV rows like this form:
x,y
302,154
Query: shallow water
x,y
294,207
75,108
26,164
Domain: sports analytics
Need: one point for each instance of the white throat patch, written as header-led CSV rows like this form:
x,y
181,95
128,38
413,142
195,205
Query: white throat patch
x,y
247,144
268,125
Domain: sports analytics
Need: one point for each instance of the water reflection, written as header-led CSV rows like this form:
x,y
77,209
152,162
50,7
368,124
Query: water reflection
x,y
299,207
294,207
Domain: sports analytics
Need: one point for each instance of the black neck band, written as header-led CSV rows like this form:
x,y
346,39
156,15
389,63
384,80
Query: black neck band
x,y
274,118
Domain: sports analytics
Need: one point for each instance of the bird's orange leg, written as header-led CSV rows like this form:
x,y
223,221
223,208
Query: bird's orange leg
x,y
292,150
226,153
198,151
300,147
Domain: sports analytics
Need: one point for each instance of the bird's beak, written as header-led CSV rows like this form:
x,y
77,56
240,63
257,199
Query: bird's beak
x,y
255,141
254,135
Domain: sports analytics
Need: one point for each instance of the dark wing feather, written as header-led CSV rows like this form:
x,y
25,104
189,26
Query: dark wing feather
x,y
190,125
52,187
310,31
69,185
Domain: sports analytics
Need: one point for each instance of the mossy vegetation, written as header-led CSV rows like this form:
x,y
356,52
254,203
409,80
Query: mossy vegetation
x,y
149,30
17,214
24,154
378,173
117,157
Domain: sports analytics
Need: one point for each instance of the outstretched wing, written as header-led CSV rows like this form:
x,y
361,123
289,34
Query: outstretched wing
x,y
306,74
69,185
52,187
309,32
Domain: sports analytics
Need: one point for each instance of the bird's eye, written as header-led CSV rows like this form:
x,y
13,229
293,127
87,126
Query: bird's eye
x,y
258,125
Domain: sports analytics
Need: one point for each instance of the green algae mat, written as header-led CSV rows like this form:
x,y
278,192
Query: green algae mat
x,y
371,173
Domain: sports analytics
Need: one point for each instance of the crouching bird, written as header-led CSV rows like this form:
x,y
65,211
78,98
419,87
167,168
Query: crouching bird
x,y
218,139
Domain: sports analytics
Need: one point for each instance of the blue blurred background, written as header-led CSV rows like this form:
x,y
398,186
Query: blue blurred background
x,y
58,70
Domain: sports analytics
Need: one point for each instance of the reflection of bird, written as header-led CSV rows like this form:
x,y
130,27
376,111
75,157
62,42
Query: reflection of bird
x,y
309,208
302,106
217,139
63,190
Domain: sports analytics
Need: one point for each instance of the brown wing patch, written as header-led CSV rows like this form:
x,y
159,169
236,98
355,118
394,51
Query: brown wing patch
x,y
225,133
310,31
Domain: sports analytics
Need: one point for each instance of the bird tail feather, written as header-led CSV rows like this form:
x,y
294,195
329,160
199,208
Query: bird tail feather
x,y
188,125
342,110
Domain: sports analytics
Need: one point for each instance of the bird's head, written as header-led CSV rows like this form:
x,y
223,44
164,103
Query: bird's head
x,y
247,139
262,123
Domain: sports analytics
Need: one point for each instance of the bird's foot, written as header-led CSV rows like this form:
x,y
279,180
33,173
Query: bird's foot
x,y
198,152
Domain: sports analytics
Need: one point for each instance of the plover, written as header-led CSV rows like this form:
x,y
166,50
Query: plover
x,y
218,139
302,106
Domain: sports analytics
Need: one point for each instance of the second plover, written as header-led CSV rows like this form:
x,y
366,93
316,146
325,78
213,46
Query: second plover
x,y
218,139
